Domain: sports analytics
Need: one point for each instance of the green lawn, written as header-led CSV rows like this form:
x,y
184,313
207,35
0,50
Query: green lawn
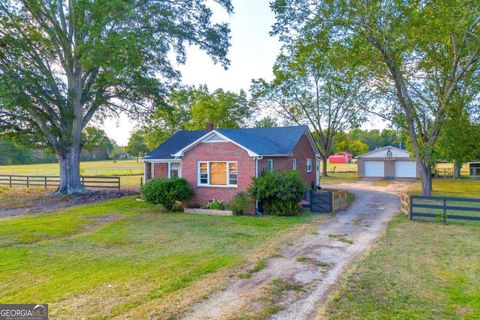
x,y
452,187
128,167
89,168
116,257
339,178
418,270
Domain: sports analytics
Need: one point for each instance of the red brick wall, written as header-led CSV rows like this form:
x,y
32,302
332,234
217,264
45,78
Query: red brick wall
x,y
302,152
217,151
160,170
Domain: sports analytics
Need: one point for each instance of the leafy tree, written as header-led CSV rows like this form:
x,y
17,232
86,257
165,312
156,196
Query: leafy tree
x,y
418,54
63,63
266,122
312,86
355,147
459,140
376,138
95,138
224,109
136,144
118,152
14,153
191,108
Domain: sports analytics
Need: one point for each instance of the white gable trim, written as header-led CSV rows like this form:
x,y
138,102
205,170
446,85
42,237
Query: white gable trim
x,y
214,138
382,149
207,136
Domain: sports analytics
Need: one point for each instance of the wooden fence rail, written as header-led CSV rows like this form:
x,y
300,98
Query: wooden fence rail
x,y
326,201
444,208
92,182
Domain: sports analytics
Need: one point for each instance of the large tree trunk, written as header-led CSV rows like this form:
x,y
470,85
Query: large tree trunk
x,y
457,170
426,176
70,148
324,166
69,161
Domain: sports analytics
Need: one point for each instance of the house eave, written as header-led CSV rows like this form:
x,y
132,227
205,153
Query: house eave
x,y
162,160
181,152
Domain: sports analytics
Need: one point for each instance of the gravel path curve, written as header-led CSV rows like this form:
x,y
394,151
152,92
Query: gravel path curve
x,y
314,261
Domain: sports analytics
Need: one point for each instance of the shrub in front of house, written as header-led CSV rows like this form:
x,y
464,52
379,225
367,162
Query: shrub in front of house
x,y
242,204
167,192
279,191
215,205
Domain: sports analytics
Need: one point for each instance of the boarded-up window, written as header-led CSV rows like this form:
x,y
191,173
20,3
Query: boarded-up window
x,y
218,173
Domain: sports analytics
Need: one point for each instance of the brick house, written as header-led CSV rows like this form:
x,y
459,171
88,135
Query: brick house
x,y
222,162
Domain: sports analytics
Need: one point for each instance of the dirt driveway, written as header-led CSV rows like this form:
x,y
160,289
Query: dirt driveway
x,y
298,279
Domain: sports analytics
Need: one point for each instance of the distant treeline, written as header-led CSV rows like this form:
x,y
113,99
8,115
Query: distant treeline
x,y
97,146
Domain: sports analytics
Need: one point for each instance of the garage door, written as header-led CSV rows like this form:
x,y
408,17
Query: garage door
x,y
374,169
405,169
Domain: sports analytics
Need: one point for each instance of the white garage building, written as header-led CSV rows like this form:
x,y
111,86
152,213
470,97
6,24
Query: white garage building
x,y
387,162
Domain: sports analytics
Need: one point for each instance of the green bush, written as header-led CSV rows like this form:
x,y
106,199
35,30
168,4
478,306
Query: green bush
x,y
215,205
242,203
279,191
166,191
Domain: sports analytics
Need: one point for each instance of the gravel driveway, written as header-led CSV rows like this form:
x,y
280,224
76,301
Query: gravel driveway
x,y
312,263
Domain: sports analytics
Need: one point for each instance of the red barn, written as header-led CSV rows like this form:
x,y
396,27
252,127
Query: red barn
x,y
340,157
220,163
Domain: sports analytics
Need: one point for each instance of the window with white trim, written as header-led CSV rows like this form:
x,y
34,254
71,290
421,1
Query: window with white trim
x,y
294,164
218,173
174,170
270,165
309,165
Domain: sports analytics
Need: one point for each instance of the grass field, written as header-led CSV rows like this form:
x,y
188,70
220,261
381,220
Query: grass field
x,y
132,167
89,168
123,257
452,188
418,270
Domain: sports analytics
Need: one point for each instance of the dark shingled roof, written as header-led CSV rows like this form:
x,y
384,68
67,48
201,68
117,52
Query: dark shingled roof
x,y
262,141
177,142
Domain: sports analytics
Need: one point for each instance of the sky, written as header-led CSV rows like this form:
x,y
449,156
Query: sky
x,y
252,55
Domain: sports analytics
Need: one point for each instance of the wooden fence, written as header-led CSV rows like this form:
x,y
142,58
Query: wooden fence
x,y
339,200
405,204
91,182
444,208
326,201
321,201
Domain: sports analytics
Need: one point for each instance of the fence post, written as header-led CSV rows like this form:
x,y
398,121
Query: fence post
x,y
28,182
332,199
310,198
410,213
444,216
10,181
141,182
45,182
